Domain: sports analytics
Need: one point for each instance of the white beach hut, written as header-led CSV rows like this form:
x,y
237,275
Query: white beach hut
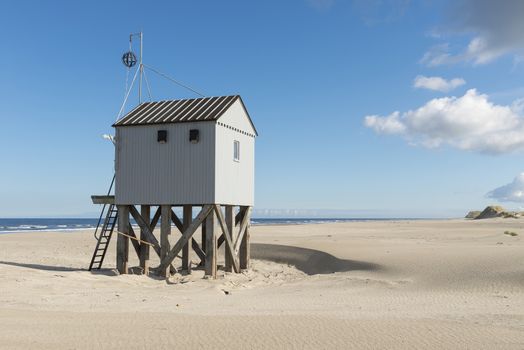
x,y
196,151
185,153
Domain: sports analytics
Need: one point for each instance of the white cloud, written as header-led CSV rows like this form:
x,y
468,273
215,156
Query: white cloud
x,y
437,83
512,192
470,122
495,28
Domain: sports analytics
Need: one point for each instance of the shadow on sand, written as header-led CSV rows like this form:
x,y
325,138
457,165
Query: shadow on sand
x,y
107,272
309,261
41,267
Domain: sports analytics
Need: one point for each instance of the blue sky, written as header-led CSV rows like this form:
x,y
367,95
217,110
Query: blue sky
x,y
321,79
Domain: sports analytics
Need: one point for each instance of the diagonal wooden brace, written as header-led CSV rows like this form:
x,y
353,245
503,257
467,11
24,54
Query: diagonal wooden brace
x,y
243,226
186,235
194,243
149,236
238,219
177,221
198,250
134,241
229,242
155,219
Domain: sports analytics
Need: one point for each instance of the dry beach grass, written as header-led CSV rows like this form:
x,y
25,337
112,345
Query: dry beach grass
x,y
453,284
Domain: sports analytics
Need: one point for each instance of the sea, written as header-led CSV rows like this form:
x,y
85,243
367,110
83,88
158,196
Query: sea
x,y
70,224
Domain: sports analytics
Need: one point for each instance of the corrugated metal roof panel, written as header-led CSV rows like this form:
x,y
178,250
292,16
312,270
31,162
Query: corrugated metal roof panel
x,y
178,111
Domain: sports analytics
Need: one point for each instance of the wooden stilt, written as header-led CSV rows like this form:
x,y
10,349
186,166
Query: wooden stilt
x,y
203,241
165,231
145,212
187,218
211,246
122,242
203,234
230,223
245,250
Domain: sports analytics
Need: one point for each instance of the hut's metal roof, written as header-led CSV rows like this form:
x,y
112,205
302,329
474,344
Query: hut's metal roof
x,y
180,111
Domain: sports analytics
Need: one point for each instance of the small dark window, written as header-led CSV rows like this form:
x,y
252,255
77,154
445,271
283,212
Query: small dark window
x,y
236,151
162,136
194,135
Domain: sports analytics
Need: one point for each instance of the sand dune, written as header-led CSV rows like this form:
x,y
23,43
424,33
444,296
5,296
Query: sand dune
x,y
452,284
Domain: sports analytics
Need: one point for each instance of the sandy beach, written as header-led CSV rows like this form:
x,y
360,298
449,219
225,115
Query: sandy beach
x,y
452,284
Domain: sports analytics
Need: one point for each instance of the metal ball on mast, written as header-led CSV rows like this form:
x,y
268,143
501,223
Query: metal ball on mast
x,y
129,60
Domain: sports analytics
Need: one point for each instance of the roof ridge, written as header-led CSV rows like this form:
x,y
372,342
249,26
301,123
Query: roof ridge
x,y
207,108
192,98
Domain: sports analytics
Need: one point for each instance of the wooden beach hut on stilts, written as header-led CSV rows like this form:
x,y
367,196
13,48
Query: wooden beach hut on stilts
x,y
191,154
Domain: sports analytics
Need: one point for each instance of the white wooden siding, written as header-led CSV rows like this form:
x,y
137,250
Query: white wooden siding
x,y
177,172
235,181
236,117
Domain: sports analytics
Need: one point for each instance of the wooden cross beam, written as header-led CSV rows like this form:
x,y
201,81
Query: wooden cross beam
x,y
147,230
240,218
198,250
194,244
134,239
229,242
186,235
155,219
177,221
243,228
222,238
148,234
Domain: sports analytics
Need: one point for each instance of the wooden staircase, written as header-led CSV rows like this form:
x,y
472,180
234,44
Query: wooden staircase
x,y
104,237
106,229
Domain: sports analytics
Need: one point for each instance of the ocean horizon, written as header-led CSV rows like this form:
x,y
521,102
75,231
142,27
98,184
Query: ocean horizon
x,y
12,225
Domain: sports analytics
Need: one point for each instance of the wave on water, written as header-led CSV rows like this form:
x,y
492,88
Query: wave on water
x,y
30,225
303,221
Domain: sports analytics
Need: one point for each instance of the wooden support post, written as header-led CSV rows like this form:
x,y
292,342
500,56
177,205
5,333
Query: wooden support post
x,y
165,231
187,218
145,212
203,238
122,242
211,246
203,242
230,223
245,250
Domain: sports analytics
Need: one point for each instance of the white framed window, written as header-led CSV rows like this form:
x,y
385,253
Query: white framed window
x,y
236,151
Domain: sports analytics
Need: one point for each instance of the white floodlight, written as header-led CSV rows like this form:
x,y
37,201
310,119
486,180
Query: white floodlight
x,y
110,138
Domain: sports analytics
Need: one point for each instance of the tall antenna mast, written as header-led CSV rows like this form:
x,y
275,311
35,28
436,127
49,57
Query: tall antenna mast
x,y
129,60
141,67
